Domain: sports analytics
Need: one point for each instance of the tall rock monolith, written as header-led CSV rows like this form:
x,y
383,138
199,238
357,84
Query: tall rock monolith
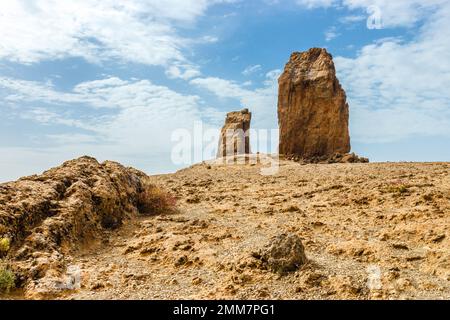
x,y
235,135
313,113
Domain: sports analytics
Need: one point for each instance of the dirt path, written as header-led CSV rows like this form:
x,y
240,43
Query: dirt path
x,y
370,231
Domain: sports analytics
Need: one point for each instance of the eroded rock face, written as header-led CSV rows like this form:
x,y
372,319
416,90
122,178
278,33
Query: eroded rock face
x,y
235,135
313,113
48,216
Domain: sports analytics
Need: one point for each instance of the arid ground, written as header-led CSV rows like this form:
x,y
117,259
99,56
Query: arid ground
x,y
370,231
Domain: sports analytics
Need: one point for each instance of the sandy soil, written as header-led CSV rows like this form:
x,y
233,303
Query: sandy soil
x,y
371,231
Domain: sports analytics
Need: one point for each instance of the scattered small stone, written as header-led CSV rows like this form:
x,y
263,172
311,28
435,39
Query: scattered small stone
x,y
298,289
193,200
317,224
97,286
241,279
292,209
148,250
312,279
181,261
400,246
231,289
345,285
130,249
263,293
383,237
438,238
414,258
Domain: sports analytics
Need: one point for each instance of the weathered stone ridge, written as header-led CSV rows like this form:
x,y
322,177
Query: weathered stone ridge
x,y
313,113
46,217
235,134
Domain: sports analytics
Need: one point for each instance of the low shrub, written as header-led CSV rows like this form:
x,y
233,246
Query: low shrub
x,y
154,200
5,243
397,189
7,280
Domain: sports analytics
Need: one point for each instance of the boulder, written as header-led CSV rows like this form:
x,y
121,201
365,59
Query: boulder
x,y
284,253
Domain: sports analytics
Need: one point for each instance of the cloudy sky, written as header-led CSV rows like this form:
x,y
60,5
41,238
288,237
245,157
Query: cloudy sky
x,y
115,80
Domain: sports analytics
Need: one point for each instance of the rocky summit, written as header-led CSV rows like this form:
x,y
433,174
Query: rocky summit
x,y
234,137
313,113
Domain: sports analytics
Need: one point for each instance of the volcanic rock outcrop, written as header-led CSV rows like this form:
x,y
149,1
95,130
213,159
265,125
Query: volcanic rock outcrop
x,y
235,134
48,216
313,113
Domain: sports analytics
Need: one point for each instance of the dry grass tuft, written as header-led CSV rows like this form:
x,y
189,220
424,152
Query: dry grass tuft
x,y
5,244
154,200
7,280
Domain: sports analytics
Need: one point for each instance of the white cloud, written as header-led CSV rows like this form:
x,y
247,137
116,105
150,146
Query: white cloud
x,y
399,89
210,39
393,13
72,139
261,101
352,19
47,117
273,75
399,12
129,31
129,121
182,71
396,88
106,93
331,34
316,3
142,109
251,69
221,87
21,90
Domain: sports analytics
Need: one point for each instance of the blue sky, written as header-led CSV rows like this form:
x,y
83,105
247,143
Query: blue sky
x,y
114,81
